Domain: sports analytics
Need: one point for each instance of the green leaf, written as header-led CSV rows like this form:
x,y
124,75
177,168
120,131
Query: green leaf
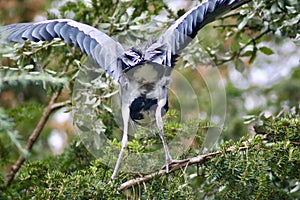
x,y
267,51
235,45
253,56
239,65
246,54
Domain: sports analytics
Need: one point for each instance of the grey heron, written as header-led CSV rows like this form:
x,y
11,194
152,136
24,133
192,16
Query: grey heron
x,y
143,76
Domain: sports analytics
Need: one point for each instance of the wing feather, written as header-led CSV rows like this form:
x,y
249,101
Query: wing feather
x,y
96,44
178,35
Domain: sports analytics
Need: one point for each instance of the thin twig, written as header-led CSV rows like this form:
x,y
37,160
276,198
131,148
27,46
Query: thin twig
x,y
33,137
60,104
238,53
191,161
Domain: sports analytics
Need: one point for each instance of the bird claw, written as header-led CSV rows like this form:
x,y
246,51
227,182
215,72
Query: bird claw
x,y
171,163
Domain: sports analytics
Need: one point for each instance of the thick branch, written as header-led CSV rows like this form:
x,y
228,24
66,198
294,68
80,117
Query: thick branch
x,y
191,161
33,137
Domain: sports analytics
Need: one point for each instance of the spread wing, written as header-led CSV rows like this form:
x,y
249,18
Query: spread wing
x,y
96,44
178,35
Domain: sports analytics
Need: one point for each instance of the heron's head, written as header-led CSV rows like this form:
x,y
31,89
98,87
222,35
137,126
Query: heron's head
x,y
133,57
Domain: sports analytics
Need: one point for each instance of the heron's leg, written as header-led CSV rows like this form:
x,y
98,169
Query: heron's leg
x,y
160,125
125,115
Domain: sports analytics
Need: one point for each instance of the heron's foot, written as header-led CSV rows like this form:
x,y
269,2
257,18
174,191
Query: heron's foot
x,y
172,163
109,181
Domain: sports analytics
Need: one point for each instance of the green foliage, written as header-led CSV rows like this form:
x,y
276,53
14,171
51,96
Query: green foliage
x,y
263,167
9,139
13,79
267,169
261,19
76,175
281,128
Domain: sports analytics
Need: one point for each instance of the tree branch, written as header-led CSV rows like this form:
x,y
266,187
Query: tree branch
x,y
34,135
238,53
174,167
60,104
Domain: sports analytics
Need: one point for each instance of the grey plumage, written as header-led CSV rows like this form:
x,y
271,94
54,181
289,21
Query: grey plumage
x,y
184,29
143,76
96,44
